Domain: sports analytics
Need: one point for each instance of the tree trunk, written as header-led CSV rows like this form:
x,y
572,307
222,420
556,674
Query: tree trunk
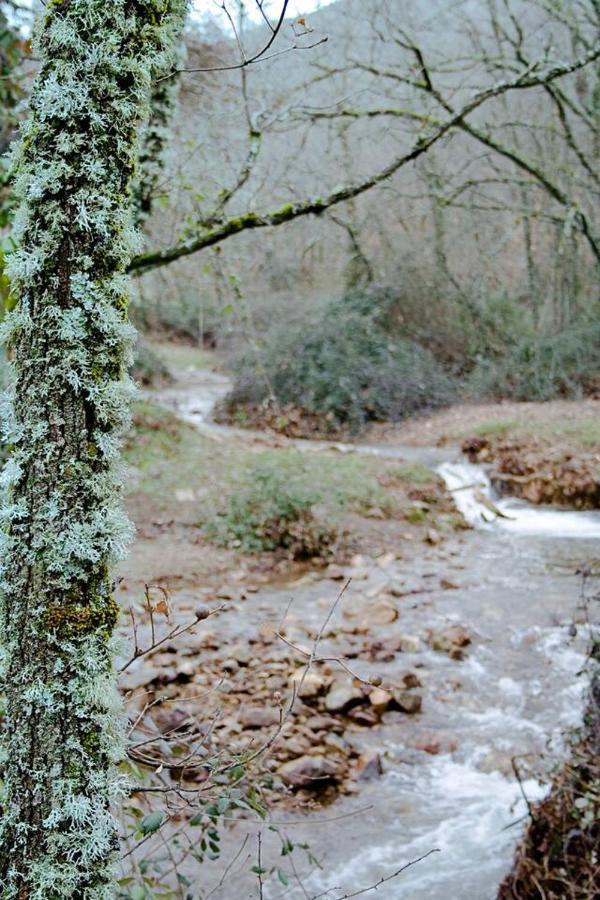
x,y
155,137
63,526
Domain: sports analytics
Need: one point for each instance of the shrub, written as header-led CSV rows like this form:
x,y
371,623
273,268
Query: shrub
x,y
148,368
274,508
348,361
180,314
543,368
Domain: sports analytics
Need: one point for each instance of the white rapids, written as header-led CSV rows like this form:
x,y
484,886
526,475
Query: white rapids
x,y
475,498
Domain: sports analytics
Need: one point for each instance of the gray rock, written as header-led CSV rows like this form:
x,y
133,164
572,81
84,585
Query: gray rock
x,y
370,766
343,695
408,701
324,723
259,717
310,771
241,653
308,685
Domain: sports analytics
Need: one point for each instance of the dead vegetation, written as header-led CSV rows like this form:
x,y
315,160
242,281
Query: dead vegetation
x,y
559,856
538,473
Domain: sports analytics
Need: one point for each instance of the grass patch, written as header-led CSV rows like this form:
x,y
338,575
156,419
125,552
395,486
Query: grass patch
x,y
284,500
495,428
413,474
275,508
155,437
244,496
586,432
415,515
573,425
179,355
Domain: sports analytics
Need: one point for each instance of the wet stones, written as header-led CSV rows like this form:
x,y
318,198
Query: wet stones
x,y
451,640
365,716
307,685
380,700
311,771
370,766
408,702
433,537
381,613
342,696
386,649
324,724
259,717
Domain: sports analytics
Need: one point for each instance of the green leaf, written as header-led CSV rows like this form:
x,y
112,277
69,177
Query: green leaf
x,y
138,893
152,822
283,877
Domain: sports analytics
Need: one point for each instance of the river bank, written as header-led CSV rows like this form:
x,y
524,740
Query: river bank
x,y
447,780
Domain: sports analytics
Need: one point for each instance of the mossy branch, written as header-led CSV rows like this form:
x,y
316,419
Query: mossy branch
x,y
532,77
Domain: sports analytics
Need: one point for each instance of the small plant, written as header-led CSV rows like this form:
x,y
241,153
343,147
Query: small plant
x,y
156,434
274,509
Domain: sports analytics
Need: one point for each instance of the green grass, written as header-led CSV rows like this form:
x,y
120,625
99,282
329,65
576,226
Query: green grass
x,y
413,474
169,454
580,433
576,427
586,432
494,428
156,437
177,355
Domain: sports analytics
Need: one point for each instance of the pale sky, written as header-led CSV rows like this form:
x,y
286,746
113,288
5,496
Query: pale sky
x,y
296,7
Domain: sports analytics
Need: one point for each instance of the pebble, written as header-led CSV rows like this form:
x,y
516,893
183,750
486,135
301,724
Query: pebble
x,y
259,717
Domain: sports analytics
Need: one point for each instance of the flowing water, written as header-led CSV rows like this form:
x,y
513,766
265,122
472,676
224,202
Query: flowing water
x,y
515,694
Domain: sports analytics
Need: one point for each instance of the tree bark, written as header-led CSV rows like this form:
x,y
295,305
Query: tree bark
x,y
62,523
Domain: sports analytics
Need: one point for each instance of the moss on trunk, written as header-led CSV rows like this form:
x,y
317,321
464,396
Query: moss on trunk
x,y
62,523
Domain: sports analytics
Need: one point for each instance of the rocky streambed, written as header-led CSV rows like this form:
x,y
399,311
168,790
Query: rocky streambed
x,y
460,662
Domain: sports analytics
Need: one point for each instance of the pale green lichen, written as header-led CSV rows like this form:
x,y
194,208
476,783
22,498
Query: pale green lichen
x,y
62,523
156,132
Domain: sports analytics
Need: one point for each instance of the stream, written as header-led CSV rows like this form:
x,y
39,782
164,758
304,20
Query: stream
x,y
515,693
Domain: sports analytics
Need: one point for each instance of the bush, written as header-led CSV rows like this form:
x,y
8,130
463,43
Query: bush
x,y
348,361
148,368
273,509
544,368
182,314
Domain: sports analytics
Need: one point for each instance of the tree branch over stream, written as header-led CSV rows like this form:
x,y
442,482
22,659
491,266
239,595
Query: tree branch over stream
x,y
531,77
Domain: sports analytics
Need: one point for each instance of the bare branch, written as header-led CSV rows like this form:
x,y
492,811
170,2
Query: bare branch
x,y
531,77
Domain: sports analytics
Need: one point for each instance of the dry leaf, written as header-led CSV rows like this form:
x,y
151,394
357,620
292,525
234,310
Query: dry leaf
x,y
162,607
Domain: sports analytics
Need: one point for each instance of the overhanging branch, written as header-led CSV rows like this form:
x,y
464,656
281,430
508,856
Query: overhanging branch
x,y
531,77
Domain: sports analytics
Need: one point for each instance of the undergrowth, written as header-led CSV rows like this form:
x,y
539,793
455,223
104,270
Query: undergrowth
x,y
284,501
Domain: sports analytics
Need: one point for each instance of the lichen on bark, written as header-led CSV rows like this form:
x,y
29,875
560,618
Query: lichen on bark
x,y
62,524
157,132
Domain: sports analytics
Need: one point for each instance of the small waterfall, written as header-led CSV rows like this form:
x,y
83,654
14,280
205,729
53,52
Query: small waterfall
x,y
474,496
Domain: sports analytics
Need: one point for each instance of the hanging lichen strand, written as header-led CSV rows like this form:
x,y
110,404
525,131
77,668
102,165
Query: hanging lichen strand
x,y
62,522
156,135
